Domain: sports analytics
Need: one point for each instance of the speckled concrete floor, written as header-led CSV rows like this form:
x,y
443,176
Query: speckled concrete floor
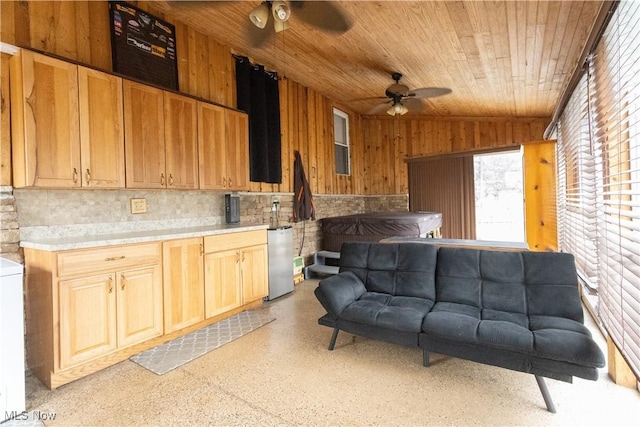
x,y
283,374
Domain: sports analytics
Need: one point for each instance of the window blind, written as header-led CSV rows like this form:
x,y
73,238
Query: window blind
x,y
615,83
577,202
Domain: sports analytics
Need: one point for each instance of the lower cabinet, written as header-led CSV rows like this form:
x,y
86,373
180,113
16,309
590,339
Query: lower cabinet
x,y
102,313
236,270
88,309
183,283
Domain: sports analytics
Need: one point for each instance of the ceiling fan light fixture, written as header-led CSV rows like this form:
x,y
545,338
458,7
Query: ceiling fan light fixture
x,y
260,15
281,11
397,109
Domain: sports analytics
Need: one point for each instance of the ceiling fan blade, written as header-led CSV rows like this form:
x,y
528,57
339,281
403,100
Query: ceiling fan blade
x,y
325,15
258,37
414,104
371,98
429,92
379,108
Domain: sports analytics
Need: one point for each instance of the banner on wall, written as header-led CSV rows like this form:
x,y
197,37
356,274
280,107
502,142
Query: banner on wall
x,y
142,46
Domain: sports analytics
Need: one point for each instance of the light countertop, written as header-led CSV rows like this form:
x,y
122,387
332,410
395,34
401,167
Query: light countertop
x,y
96,240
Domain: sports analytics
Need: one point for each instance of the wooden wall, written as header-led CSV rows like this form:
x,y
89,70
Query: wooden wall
x,y
78,30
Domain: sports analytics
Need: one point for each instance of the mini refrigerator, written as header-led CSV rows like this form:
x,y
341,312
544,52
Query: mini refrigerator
x,y
280,248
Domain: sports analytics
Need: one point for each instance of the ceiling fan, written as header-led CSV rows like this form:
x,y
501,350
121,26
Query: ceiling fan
x,y
272,16
400,100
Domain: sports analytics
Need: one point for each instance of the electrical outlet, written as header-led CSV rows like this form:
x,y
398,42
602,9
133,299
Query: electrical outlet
x,y
138,206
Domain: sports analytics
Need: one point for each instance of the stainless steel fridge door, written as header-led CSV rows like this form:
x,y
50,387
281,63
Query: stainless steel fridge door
x,y
280,244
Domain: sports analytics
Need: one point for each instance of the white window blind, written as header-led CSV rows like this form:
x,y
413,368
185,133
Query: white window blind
x,y
615,83
599,173
577,202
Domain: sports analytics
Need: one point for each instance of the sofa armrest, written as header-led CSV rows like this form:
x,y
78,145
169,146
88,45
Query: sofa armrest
x,y
339,291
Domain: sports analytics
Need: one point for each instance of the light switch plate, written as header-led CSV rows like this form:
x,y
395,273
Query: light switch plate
x,y
138,206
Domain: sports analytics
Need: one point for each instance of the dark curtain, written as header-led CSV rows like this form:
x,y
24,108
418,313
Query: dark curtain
x,y
258,95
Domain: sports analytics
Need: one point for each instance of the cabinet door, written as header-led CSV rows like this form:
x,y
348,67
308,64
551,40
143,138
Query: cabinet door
x,y
101,129
181,141
254,273
237,131
139,305
213,173
144,136
183,283
87,318
222,282
45,122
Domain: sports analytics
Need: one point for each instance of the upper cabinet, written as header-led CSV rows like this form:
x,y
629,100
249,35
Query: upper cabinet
x,y
74,126
144,136
44,121
223,140
66,124
180,133
101,129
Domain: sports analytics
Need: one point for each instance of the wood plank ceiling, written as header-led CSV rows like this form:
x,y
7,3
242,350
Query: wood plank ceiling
x,y
500,59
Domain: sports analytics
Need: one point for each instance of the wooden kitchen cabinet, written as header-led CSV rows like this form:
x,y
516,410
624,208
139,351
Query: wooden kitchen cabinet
x,y
180,130
87,318
183,274
101,129
223,290
84,306
236,270
67,124
224,148
144,136
44,121
255,275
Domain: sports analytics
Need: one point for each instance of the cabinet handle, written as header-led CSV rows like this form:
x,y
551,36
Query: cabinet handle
x,y
114,258
230,182
123,281
75,175
237,257
170,179
224,181
88,176
201,249
110,284
161,179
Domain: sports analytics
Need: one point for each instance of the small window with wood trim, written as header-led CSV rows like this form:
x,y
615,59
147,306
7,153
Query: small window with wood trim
x,y
341,139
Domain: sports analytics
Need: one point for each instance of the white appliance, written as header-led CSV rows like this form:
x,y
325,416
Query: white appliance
x,y
12,377
280,244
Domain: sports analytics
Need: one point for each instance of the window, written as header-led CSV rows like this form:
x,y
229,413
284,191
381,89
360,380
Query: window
x,y
598,159
341,132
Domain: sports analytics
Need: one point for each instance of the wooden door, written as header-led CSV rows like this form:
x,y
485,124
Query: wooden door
x,y
213,173
144,136
87,318
139,305
222,282
255,274
237,131
181,141
183,280
45,121
101,129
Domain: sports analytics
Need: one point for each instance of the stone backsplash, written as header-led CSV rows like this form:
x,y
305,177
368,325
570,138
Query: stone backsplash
x,y
47,213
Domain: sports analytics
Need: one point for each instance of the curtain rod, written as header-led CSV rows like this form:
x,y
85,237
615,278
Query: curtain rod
x,y
602,20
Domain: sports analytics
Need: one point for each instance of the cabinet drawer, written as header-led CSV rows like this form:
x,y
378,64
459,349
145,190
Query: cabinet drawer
x,y
107,259
225,242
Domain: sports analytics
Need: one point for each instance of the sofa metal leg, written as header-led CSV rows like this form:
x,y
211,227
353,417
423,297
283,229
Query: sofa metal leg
x,y
545,394
332,344
425,358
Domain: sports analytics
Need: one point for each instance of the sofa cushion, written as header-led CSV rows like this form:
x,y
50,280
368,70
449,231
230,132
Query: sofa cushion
x,y
525,302
390,312
406,269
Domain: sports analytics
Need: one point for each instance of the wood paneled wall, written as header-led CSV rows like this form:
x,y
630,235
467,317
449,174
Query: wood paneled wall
x,y
388,142
78,30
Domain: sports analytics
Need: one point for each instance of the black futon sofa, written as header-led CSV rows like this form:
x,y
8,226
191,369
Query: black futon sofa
x,y
516,310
